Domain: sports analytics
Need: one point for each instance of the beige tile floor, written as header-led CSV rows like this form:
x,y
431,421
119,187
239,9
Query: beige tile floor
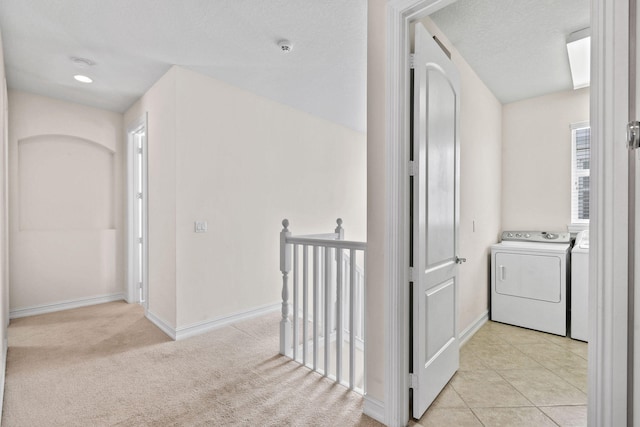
x,y
510,376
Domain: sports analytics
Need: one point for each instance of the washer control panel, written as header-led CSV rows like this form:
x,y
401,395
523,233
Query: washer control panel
x,y
536,236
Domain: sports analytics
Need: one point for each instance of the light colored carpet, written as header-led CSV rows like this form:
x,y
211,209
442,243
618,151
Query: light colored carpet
x,y
107,365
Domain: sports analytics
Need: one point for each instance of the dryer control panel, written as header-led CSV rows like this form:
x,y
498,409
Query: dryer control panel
x,y
536,236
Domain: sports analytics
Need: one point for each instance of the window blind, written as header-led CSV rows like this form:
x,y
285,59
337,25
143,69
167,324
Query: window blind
x,y
580,176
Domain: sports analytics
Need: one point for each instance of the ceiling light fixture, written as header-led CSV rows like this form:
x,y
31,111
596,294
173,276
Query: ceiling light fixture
x,y
83,79
579,50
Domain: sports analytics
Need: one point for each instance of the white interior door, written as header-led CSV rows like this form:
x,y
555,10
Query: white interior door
x,y
137,208
435,221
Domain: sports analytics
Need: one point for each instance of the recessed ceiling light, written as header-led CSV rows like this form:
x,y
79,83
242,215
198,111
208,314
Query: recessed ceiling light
x,y
83,79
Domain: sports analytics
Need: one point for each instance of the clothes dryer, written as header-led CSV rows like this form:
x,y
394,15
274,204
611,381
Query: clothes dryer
x,y
580,287
529,280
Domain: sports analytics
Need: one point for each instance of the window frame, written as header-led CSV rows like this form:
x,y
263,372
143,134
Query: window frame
x,y
577,223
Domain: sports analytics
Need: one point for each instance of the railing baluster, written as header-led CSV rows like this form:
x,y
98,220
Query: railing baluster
x,y
352,330
296,313
360,306
316,303
337,302
339,327
356,325
305,303
321,318
328,301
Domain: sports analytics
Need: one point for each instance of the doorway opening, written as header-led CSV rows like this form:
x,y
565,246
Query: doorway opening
x,y
137,244
604,371
514,114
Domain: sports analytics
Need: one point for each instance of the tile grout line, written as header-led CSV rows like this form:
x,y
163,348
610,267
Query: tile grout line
x,y
507,381
547,369
513,346
477,417
501,338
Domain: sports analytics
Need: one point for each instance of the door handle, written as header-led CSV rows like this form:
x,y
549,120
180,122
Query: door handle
x,y
460,260
633,135
503,273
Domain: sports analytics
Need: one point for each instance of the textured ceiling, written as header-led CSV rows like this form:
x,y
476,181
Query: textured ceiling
x,y
517,47
134,42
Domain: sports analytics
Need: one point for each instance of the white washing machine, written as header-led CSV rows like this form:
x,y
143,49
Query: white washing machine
x,y
580,287
529,280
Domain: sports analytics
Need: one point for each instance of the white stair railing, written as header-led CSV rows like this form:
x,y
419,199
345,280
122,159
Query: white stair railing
x,y
328,303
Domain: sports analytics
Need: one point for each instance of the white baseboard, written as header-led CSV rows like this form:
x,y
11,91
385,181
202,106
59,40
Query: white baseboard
x,y
473,328
208,325
5,347
169,330
374,408
63,305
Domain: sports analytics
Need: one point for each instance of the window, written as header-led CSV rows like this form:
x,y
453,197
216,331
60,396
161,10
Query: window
x,y
580,166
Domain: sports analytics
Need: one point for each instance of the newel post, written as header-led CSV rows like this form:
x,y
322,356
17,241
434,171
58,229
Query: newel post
x,y
285,267
339,230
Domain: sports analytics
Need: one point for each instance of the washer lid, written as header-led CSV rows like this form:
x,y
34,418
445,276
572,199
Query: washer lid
x,y
536,236
549,248
582,242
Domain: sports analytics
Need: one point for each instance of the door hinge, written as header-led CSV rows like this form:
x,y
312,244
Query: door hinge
x,y
139,195
412,168
412,63
412,274
140,150
633,135
413,381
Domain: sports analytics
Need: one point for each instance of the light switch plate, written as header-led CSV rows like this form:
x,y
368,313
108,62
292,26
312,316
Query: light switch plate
x,y
200,226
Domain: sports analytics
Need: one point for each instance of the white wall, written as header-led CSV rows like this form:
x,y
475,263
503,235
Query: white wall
x,y
65,198
536,160
4,241
242,163
160,103
376,197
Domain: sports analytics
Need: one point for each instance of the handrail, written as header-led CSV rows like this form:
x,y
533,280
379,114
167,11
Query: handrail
x,y
339,244
323,236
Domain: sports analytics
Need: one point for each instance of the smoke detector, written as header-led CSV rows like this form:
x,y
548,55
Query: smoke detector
x,y
285,46
82,62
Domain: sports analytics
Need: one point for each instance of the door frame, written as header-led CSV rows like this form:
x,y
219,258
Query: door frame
x,y
609,402
132,294
608,347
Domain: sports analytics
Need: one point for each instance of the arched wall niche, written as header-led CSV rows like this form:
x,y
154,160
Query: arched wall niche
x,y
65,183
